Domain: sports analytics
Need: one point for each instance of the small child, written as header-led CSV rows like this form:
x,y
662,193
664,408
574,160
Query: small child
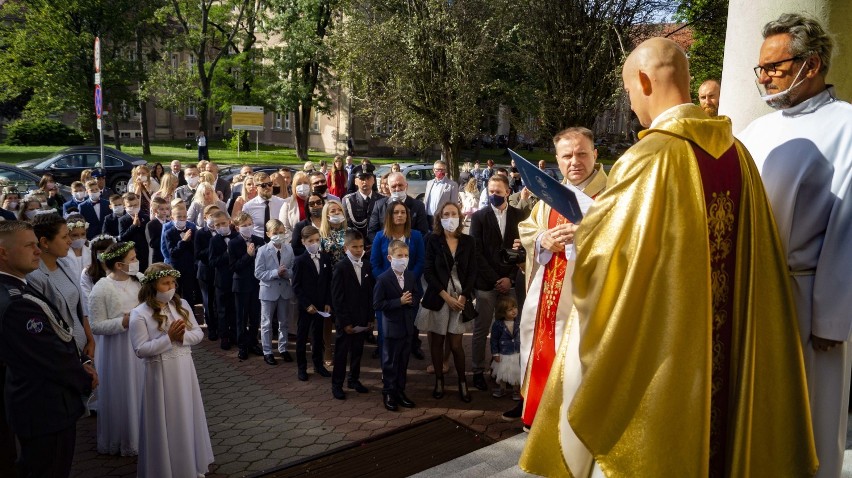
x,y
396,294
116,204
160,214
273,267
131,227
175,204
204,274
351,289
164,327
78,197
506,348
223,278
79,256
311,280
241,253
178,239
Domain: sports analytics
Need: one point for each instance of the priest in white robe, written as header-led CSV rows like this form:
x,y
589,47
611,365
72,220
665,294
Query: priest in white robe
x,y
804,154
545,234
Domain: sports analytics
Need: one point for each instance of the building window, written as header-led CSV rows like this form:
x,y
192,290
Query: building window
x,y
315,122
191,111
192,62
277,121
175,60
287,126
190,134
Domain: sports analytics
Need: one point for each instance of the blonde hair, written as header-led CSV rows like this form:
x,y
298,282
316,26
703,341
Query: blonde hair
x,y
470,187
206,177
199,194
168,184
273,224
325,225
136,173
245,192
148,296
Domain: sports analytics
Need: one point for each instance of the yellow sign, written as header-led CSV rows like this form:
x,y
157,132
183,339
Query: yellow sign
x,y
247,117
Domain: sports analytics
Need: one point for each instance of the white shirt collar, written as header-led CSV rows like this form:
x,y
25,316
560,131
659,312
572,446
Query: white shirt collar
x,y
498,212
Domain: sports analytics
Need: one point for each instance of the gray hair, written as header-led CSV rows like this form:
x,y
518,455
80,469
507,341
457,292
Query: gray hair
x,y
807,36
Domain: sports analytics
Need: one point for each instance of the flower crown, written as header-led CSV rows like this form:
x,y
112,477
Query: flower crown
x,y
102,237
120,252
77,224
154,276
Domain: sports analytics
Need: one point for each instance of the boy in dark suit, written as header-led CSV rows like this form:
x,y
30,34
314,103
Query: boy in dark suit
x,y
95,209
397,296
182,252
131,227
223,277
160,213
78,192
241,252
311,279
351,293
203,236
116,203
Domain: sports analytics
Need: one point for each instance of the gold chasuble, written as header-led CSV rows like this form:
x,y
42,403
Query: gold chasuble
x,y
689,350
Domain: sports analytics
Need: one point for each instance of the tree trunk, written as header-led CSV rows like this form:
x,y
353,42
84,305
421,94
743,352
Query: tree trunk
x,y
113,120
302,132
143,105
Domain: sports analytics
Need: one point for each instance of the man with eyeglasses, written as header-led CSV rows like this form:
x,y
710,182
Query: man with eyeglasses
x,y
439,191
804,153
264,206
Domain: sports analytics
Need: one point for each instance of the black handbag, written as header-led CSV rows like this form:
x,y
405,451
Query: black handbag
x,y
469,312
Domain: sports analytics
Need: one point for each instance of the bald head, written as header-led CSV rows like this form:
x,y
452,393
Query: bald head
x,y
656,77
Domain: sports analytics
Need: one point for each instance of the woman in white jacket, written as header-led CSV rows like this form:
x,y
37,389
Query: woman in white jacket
x,y
121,372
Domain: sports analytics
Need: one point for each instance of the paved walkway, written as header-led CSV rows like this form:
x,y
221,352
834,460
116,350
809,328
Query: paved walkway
x,y
261,416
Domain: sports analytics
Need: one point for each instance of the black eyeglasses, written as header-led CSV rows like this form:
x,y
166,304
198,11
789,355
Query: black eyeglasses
x,y
265,185
315,203
771,69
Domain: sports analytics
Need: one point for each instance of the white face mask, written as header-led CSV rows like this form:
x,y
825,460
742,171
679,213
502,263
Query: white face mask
x,y
782,99
143,178
246,231
192,181
399,265
353,257
80,196
180,225
118,210
78,243
223,231
210,224
336,219
133,211
303,190
399,195
165,297
31,214
133,268
95,197
450,224
277,239
313,248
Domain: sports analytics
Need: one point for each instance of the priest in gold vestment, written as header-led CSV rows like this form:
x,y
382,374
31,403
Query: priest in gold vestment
x,y
690,359
545,234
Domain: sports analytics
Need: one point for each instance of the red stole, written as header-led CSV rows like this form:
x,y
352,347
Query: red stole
x,y
722,182
301,203
544,339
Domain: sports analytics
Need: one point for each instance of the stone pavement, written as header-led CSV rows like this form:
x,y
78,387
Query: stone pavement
x,y
261,416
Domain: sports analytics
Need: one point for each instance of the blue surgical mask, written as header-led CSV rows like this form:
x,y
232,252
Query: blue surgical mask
x,y
496,200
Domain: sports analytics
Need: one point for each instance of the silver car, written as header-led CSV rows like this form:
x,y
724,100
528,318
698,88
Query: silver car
x,y
417,175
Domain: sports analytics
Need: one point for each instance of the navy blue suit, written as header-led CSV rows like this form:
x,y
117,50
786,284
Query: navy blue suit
x,y
154,233
129,232
246,289
223,279
164,247
312,288
352,303
96,224
183,259
398,325
205,275
7,215
72,203
111,226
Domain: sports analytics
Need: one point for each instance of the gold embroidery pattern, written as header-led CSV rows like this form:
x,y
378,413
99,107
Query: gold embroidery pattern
x,y
720,224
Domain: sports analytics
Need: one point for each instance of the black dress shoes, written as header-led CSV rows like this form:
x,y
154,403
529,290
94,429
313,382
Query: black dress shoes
x,y
438,392
514,413
337,392
270,359
255,349
375,354
418,354
479,381
464,393
285,356
358,387
390,403
242,354
225,344
403,401
303,375
322,371
212,336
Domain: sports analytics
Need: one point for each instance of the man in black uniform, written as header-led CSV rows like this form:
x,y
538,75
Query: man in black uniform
x,y
45,375
358,205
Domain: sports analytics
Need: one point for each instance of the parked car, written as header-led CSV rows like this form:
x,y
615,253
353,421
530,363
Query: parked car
x,y
24,181
417,175
228,172
67,164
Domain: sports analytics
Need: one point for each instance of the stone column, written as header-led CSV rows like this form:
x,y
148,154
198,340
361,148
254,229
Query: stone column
x,y
739,97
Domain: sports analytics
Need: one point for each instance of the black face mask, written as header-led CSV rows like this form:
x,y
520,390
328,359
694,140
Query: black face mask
x,y
320,189
276,190
316,212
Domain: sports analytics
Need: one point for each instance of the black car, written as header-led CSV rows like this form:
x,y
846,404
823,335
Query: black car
x,y
67,164
23,181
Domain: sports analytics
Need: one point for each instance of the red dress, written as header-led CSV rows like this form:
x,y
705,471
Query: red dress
x,y
338,186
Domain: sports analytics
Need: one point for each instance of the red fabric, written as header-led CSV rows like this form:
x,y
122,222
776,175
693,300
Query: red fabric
x,y
301,203
339,187
722,182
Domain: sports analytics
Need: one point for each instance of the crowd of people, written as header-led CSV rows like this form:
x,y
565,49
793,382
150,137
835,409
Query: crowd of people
x,y
606,332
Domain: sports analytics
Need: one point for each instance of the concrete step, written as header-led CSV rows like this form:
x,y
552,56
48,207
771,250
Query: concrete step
x,y
497,460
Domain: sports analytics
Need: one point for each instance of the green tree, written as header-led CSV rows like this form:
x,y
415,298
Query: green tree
x,y
300,76
708,21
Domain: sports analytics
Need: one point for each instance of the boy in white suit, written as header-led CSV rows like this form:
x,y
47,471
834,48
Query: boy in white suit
x,y
273,267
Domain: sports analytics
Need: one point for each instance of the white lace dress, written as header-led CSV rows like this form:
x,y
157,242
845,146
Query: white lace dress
x,y
120,371
174,441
